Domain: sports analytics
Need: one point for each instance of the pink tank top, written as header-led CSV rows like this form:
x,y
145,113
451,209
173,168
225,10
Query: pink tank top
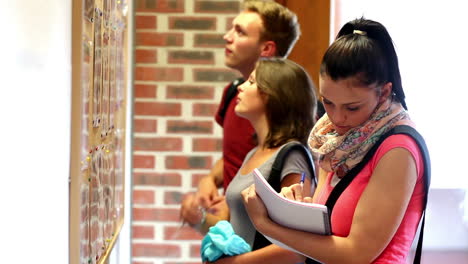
x,y
343,212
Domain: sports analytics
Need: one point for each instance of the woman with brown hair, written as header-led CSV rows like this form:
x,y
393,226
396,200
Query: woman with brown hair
x,y
279,101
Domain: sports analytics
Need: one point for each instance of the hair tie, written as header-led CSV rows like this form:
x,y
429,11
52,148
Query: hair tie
x,y
359,32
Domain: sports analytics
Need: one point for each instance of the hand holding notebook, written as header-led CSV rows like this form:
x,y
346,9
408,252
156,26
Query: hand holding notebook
x,y
308,217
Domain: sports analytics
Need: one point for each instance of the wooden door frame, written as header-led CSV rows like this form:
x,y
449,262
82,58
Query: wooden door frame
x,y
314,20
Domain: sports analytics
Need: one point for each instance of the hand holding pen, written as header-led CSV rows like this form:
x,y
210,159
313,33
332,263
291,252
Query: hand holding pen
x,y
302,183
304,197
296,191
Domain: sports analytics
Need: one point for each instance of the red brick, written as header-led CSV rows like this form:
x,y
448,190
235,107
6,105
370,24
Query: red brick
x,y
188,162
172,197
196,178
157,144
156,250
85,196
86,61
159,39
209,41
94,231
190,57
145,22
144,125
184,233
157,109
156,214
159,74
214,75
142,232
197,127
143,197
84,228
195,250
192,23
157,179
229,23
84,247
207,144
189,92
218,7
86,110
143,162
146,56
160,6
145,90
203,109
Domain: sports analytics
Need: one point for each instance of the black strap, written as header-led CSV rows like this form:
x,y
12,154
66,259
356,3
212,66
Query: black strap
x,y
277,167
230,94
347,179
418,253
274,180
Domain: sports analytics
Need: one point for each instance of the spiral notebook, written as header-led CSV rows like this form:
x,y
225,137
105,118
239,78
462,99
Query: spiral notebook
x,y
308,217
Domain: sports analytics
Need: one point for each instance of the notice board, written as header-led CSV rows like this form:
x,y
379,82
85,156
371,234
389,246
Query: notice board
x,y
99,88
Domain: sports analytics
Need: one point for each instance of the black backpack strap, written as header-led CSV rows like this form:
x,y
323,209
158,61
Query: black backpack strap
x,y
277,167
407,130
230,94
274,180
348,178
418,253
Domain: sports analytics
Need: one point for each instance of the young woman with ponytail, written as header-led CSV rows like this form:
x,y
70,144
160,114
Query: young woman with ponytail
x,y
376,217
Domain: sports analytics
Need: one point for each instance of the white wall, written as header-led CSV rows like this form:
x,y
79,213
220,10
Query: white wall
x,y
431,42
35,70
35,104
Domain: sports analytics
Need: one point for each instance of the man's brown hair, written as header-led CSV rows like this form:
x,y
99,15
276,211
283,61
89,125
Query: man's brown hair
x,y
280,24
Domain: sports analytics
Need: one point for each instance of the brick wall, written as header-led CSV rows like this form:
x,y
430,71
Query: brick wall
x,y
179,79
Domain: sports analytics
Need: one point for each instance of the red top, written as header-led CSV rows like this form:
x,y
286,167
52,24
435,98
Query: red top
x,y
237,139
343,212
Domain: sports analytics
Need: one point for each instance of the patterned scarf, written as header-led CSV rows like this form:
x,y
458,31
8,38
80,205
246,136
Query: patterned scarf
x,y
340,153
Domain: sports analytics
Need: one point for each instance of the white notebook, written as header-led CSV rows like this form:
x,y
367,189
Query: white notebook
x,y
308,217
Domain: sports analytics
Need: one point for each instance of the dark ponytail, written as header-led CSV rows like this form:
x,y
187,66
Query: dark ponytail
x,y
363,48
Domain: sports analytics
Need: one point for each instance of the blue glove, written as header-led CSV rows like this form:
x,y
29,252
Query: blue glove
x,y
221,240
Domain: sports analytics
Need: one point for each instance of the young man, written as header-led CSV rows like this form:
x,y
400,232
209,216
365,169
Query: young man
x,y
262,29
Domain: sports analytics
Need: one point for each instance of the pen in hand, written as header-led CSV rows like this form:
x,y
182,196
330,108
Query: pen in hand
x,y
302,182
